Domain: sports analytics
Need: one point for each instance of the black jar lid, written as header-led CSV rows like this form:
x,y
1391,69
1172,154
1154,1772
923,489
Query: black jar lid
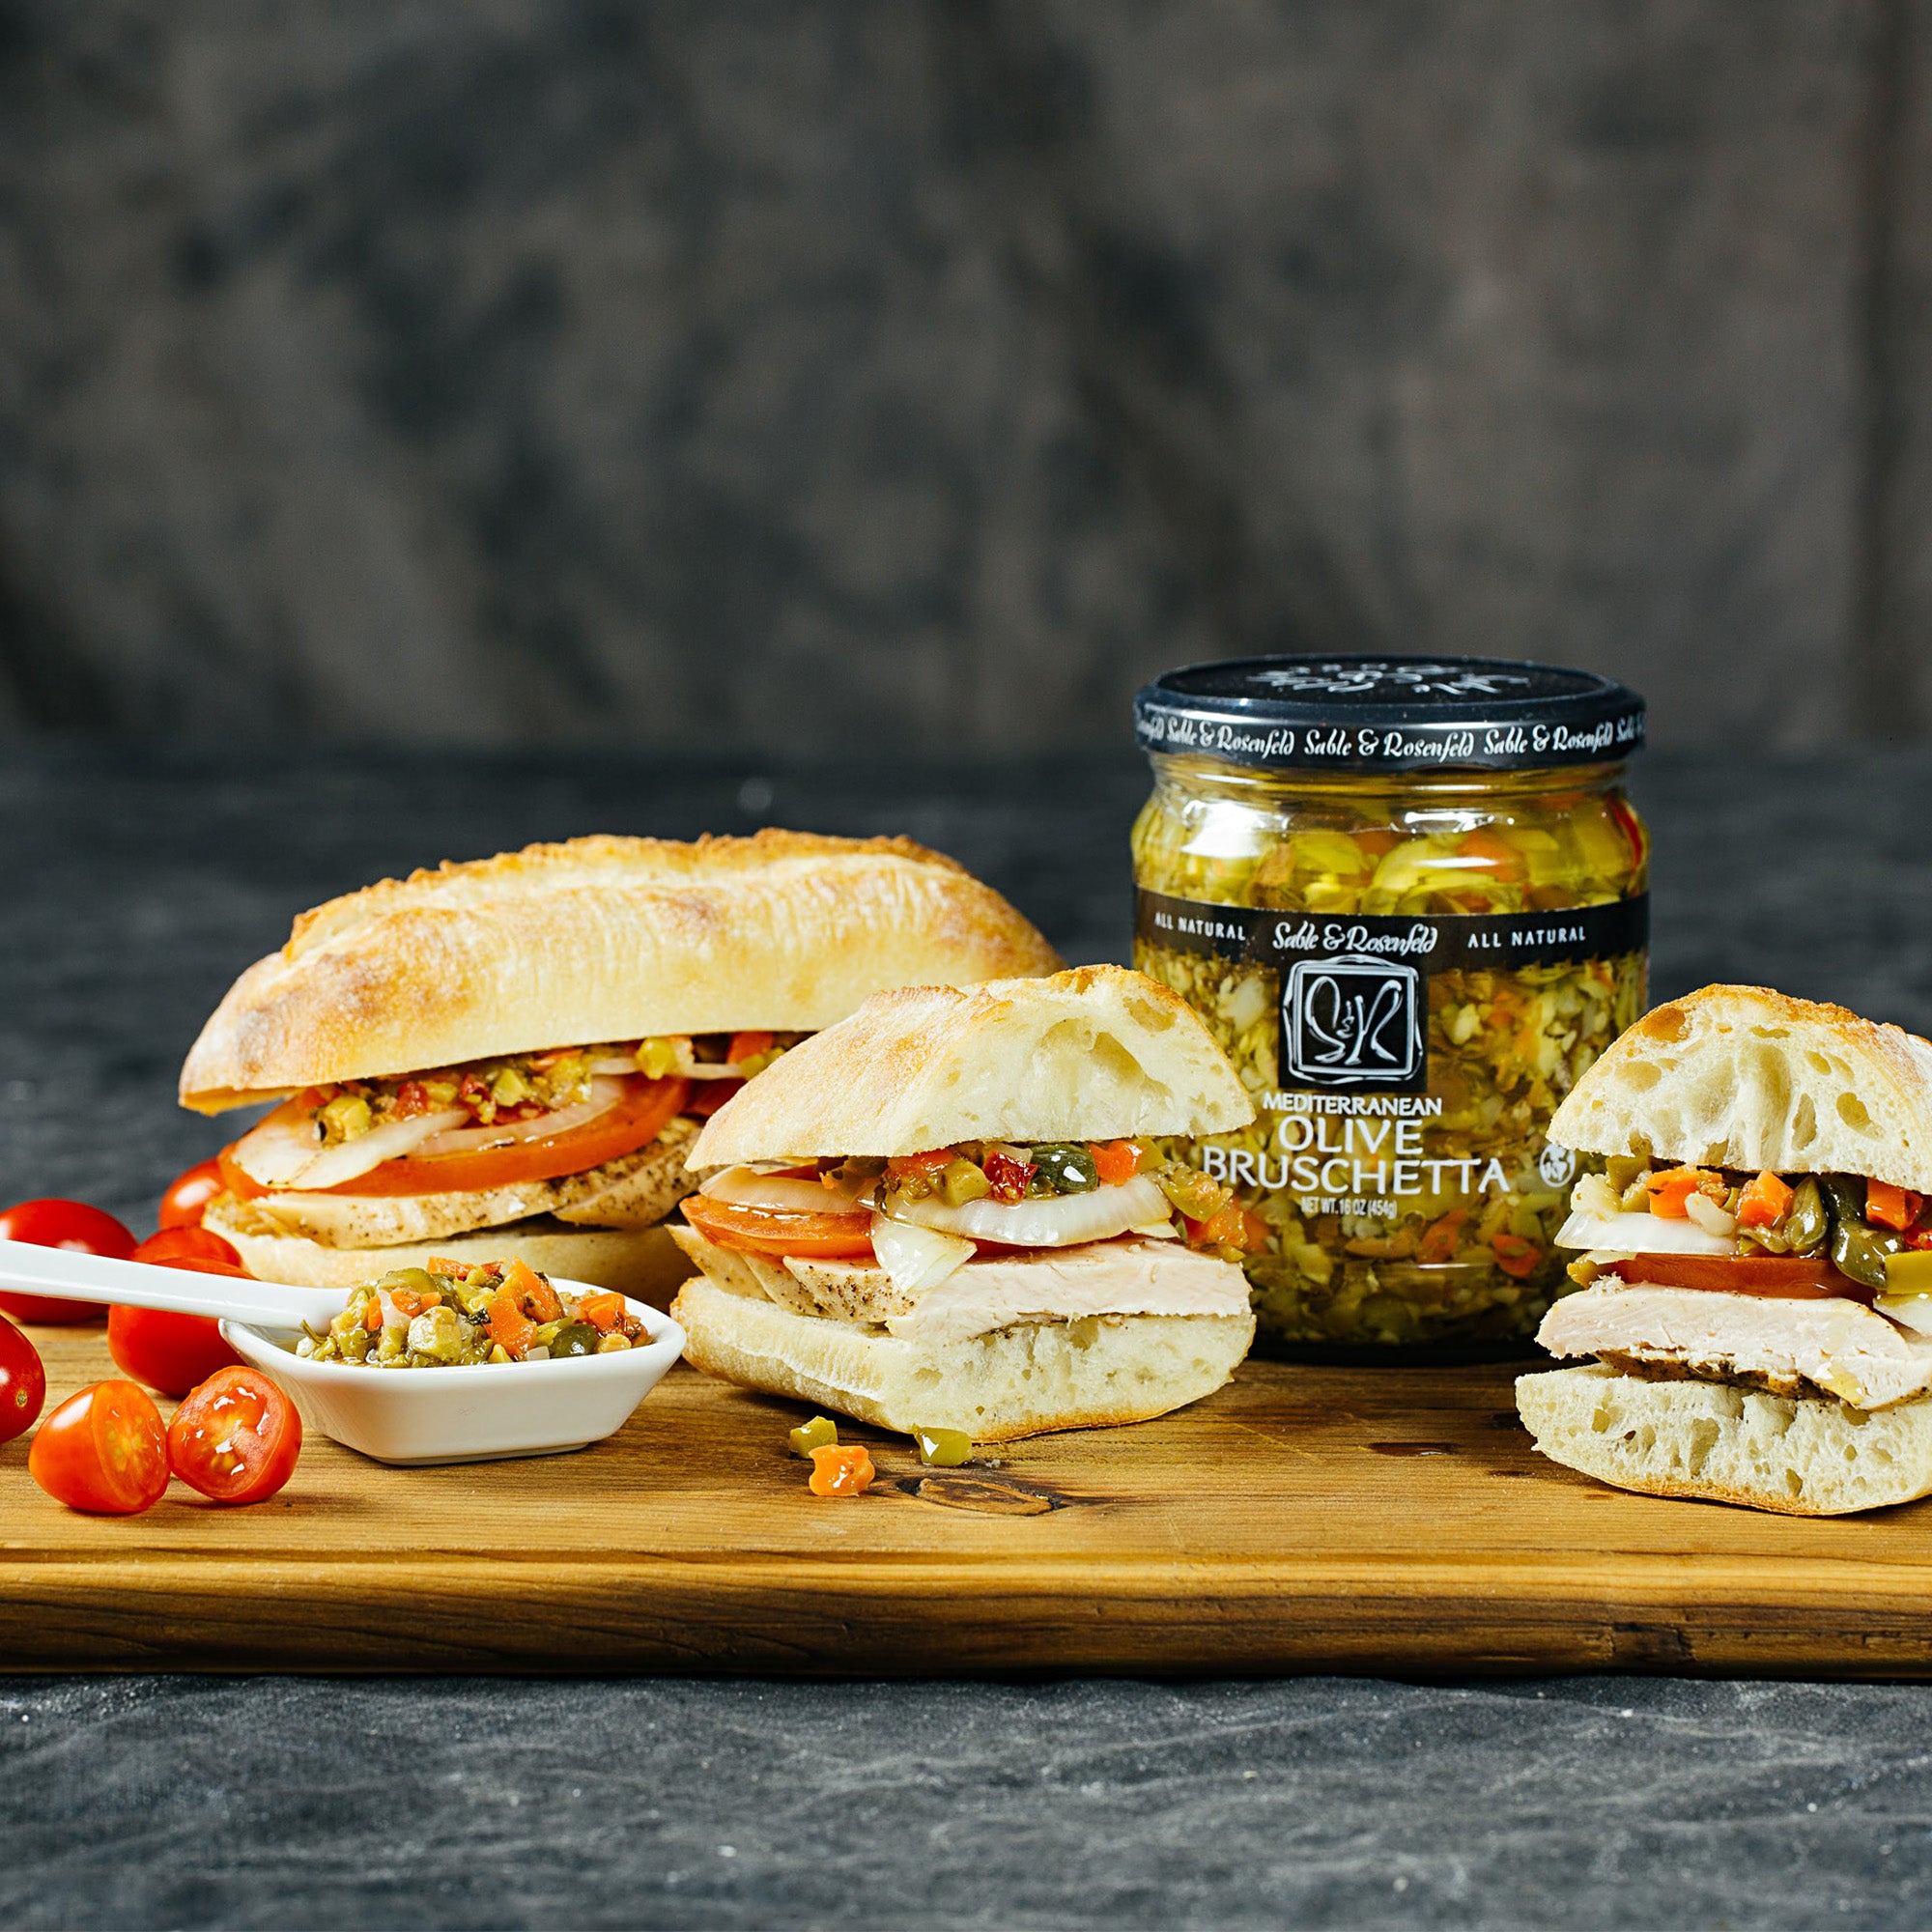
x,y
1388,714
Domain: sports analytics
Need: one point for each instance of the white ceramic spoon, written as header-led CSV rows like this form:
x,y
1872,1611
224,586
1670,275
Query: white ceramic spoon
x,y
395,1415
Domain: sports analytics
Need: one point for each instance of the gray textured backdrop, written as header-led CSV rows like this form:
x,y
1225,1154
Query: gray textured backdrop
x,y
827,374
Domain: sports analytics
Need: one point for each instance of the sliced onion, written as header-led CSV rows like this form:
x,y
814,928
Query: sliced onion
x,y
1909,1311
749,1188
918,1258
1641,1234
603,1096
615,1066
1158,1231
1053,1221
285,1149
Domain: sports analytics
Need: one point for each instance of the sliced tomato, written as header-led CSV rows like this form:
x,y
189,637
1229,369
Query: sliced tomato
x,y
104,1450
188,1194
1784,1277
635,1121
778,1231
236,1439
708,1096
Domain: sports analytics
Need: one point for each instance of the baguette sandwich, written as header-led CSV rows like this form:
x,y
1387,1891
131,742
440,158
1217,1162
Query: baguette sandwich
x,y
945,1213
1756,1286
510,1058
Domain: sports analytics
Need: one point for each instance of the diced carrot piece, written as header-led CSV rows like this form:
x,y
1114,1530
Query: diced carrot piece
x,y
531,1291
1441,1239
1496,855
510,1328
1891,1207
1670,1190
1117,1161
1233,1226
408,1300
1764,1203
602,1311
372,1316
747,1046
1515,1256
442,1264
841,1471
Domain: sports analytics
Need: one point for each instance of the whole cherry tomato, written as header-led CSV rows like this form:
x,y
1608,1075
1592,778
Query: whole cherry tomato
x,y
236,1439
104,1450
167,1350
187,1196
61,1224
187,1247
23,1383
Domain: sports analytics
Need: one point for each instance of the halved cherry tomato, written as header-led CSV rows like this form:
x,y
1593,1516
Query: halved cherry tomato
x,y
23,1383
1784,1277
635,1120
188,1194
776,1231
167,1350
103,1450
62,1224
236,1439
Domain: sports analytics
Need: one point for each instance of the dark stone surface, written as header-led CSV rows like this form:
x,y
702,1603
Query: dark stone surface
x,y
800,375
136,884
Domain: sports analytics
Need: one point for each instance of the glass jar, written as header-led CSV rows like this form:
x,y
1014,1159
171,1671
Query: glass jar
x,y
1409,898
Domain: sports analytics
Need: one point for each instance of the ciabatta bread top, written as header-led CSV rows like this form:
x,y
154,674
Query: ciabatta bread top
x,y
1093,1054
1744,1077
603,938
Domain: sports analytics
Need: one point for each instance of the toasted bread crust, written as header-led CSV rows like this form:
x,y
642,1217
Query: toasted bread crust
x,y
1095,1052
602,938
1745,1077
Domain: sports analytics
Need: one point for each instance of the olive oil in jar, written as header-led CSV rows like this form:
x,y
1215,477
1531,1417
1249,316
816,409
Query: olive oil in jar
x,y
1409,898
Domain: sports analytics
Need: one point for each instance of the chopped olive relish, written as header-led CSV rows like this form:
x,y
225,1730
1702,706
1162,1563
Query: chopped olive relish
x,y
1856,1224
523,1086
1008,1172
449,1315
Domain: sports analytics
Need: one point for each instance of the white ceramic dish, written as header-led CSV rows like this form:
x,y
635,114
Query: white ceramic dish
x,y
407,1416
415,1416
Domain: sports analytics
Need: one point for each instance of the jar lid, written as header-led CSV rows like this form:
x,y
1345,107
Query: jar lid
x,y
1397,714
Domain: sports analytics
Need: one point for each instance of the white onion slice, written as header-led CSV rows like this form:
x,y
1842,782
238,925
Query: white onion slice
x,y
603,1096
1641,1233
284,1150
1909,1311
918,1258
1053,1221
749,1188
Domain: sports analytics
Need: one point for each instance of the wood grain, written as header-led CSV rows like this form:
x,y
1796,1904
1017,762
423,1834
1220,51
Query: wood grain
x,y
1302,1519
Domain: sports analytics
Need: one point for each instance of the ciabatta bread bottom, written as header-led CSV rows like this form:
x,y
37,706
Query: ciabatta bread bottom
x,y
1022,1380
1800,1455
641,1261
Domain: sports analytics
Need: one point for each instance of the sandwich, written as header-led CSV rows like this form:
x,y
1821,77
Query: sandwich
x,y
510,1058
949,1212
1755,1286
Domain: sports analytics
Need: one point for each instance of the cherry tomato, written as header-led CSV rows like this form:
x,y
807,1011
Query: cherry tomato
x,y
23,1383
236,1439
187,1247
62,1224
104,1450
167,1350
188,1194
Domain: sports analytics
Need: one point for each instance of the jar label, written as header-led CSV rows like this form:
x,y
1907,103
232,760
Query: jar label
x,y
1353,1006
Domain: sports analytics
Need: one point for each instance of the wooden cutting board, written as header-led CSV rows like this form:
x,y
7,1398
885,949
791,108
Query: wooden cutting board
x,y
1301,1520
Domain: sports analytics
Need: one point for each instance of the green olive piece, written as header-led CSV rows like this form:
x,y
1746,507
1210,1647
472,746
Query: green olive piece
x,y
1804,1223
421,1280
961,1180
1909,1273
821,1432
574,1338
1067,1166
942,1448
